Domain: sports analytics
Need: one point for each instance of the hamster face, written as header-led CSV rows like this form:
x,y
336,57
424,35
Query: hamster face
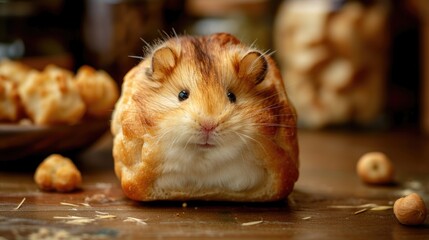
x,y
206,108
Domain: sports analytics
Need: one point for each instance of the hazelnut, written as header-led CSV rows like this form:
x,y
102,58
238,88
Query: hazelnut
x,y
57,173
410,210
375,168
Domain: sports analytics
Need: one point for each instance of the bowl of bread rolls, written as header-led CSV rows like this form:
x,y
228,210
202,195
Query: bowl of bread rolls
x,y
53,109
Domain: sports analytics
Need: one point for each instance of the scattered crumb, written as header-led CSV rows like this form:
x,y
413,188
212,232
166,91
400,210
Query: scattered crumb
x,y
306,218
20,204
368,205
45,233
102,213
80,221
184,205
77,220
252,223
98,198
69,217
69,204
85,204
136,220
360,211
381,208
105,216
363,207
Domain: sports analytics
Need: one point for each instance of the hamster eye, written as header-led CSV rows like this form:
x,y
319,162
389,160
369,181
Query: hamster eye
x,y
183,95
231,97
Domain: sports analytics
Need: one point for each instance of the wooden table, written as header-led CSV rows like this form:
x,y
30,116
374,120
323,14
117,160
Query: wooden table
x,y
324,205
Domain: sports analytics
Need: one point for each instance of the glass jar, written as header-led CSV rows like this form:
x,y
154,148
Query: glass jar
x,y
333,56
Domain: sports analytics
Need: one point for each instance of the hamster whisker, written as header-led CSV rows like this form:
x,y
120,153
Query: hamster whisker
x,y
273,125
243,135
267,98
270,107
159,138
166,36
137,57
146,43
167,133
263,110
218,142
290,132
260,98
175,139
271,96
174,33
187,142
159,104
269,52
244,140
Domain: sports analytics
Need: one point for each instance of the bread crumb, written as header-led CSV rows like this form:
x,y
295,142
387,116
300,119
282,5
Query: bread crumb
x,y
69,204
98,198
136,220
57,173
20,204
360,211
252,223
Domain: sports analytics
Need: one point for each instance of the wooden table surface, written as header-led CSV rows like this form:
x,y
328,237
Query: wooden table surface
x,y
325,204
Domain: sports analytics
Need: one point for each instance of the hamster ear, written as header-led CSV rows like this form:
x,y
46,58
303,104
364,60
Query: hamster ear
x,y
163,62
253,67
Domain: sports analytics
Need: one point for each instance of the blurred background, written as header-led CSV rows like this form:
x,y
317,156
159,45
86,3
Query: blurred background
x,y
349,64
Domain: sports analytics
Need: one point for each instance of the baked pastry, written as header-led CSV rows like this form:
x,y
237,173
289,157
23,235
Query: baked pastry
x,y
15,71
57,173
205,118
12,73
9,100
51,97
98,90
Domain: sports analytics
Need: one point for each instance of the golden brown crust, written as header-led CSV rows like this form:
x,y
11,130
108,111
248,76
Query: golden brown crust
x,y
17,72
10,104
54,95
157,151
51,97
98,90
12,74
57,173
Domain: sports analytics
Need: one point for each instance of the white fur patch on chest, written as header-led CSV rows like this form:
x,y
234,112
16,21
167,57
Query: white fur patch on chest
x,y
226,168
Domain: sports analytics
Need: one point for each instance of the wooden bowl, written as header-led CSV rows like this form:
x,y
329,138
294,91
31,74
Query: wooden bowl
x,y
24,141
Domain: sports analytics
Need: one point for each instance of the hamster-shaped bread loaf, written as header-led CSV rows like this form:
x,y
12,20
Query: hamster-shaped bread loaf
x,y
205,118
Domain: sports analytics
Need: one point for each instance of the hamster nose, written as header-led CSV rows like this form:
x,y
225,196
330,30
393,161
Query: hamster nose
x,y
208,127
